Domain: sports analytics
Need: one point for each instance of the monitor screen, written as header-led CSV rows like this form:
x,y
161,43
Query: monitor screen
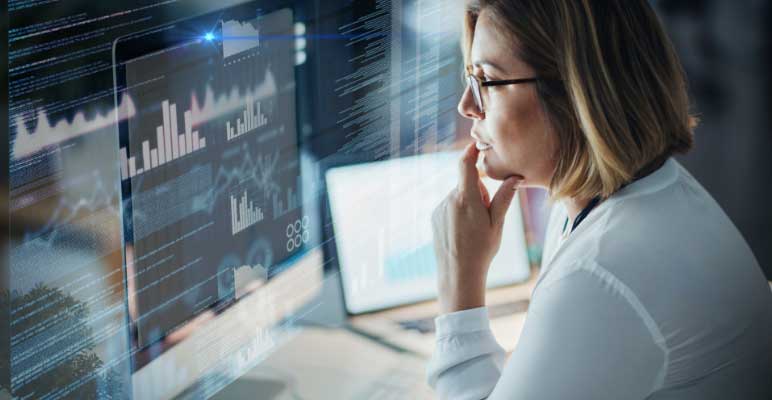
x,y
219,246
381,213
167,172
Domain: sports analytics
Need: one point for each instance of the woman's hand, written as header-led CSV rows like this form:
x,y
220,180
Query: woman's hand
x,y
467,230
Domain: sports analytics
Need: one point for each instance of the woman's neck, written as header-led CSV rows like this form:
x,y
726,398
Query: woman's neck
x,y
575,205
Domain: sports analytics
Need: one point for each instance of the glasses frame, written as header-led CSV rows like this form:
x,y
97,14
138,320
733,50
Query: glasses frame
x,y
476,84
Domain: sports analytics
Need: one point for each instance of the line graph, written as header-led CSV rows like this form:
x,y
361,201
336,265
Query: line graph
x,y
239,37
50,132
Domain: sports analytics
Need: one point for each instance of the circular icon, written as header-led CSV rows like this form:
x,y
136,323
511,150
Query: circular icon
x,y
290,230
297,233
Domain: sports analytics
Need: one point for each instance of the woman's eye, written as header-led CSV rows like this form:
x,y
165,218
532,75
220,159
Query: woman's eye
x,y
482,76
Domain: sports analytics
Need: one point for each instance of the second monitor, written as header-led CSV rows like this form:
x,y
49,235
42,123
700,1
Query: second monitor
x,y
381,214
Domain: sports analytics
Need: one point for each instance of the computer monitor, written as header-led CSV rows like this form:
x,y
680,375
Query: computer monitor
x,y
381,214
221,248
374,79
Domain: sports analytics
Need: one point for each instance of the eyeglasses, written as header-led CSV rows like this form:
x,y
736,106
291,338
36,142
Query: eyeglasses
x,y
476,84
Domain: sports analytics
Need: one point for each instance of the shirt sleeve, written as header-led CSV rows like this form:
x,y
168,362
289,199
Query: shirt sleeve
x,y
582,339
467,360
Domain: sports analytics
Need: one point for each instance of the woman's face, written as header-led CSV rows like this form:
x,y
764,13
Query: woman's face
x,y
513,129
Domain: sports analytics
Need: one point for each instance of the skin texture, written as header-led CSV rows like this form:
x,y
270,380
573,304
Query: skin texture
x,y
513,123
467,224
467,235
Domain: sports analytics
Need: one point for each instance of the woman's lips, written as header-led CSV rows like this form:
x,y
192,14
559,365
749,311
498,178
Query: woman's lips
x,y
482,146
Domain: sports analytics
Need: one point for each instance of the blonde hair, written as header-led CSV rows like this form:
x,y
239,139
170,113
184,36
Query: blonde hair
x,y
614,91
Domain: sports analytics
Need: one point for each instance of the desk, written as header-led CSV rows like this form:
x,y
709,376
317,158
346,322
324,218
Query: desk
x,y
506,329
337,364
331,364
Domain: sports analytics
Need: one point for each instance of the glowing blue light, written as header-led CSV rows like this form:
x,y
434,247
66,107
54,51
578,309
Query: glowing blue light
x,y
209,36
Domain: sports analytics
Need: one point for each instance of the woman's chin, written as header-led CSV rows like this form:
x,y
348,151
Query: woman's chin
x,y
491,171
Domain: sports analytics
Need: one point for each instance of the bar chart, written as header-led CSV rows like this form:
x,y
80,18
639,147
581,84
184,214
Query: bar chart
x,y
252,118
244,213
415,264
281,206
170,144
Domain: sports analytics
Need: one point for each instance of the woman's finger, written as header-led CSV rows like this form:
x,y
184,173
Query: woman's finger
x,y
469,176
486,197
502,199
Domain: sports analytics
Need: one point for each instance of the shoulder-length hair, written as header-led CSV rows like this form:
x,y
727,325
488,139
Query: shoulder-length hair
x,y
615,92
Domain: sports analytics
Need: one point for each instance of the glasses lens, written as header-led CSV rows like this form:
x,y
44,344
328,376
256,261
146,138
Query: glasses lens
x,y
474,86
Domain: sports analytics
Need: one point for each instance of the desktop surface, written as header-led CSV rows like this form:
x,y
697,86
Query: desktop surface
x,y
387,362
333,364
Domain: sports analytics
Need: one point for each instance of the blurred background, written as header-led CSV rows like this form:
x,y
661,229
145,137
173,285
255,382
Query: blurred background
x,y
725,50
61,198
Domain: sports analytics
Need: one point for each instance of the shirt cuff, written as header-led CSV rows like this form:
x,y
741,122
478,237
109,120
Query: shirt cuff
x,y
460,322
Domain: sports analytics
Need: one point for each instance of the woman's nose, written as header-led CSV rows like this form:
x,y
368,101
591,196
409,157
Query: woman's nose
x,y
467,107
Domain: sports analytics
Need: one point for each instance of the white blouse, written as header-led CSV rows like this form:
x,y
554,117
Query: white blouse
x,y
655,295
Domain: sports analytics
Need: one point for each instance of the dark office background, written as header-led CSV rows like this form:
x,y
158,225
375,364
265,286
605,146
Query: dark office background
x,y
725,49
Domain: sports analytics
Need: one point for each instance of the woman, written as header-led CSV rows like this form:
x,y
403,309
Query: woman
x,y
647,290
